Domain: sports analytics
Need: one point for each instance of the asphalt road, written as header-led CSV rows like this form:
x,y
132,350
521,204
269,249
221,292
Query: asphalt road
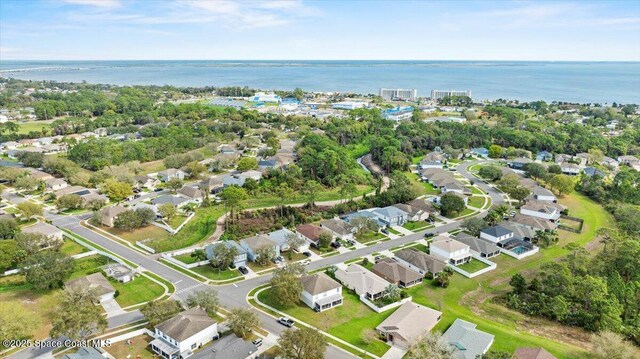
x,y
234,295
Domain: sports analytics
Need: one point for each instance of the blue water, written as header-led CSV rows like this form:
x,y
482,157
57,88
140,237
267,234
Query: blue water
x,y
602,82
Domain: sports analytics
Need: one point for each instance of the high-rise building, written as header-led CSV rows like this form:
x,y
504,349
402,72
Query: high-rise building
x,y
398,94
438,94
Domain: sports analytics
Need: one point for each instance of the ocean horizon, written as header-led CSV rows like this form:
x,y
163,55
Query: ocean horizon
x,y
572,81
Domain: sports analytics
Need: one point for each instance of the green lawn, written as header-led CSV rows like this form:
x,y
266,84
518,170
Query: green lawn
x,y
186,258
420,247
421,187
197,230
149,232
176,221
70,247
213,273
326,195
369,237
348,321
26,127
257,268
475,190
417,225
464,212
470,299
391,230
477,202
473,266
139,290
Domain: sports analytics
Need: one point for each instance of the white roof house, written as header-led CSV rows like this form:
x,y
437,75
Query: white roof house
x,y
408,323
450,250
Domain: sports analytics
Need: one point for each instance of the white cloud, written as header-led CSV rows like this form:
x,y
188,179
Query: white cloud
x,y
97,3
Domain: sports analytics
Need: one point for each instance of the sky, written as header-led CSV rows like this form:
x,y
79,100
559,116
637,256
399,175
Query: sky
x,y
319,30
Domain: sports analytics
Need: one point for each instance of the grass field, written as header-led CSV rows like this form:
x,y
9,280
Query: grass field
x,y
348,321
370,237
391,230
186,258
197,230
139,348
420,187
70,247
37,126
475,201
150,232
464,212
417,225
137,291
325,195
213,273
473,266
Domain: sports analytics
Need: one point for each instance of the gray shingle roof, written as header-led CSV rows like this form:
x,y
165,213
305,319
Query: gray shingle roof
x,y
496,231
467,342
186,324
421,260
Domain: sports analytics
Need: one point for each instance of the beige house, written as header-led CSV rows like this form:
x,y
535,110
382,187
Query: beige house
x,y
320,292
97,282
362,281
109,215
408,323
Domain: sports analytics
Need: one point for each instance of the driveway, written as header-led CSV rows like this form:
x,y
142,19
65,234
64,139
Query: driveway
x,y
112,308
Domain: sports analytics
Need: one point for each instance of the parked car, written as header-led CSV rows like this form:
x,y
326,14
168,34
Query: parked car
x,y
157,190
305,262
377,258
136,196
307,254
278,260
384,230
243,270
287,322
351,242
257,342
429,235
336,244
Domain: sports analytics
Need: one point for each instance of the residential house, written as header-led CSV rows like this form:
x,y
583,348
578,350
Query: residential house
x,y
532,353
544,156
38,175
146,182
365,283
181,335
450,250
338,229
592,171
109,215
466,341
419,261
518,163
496,234
408,323
569,168
55,184
152,207
282,238
52,233
320,292
546,210
310,233
535,223
395,273
519,230
88,195
171,173
96,281
424,206
582,158
215,185
413,213
119,272
542,194
561,157
178,201
227,150
391,216
193,193
240,259
252,244
477,246
365,214
631,161
454,186
432,160
430,173
609,162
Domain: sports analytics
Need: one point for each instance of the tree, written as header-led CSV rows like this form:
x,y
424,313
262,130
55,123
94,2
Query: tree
x,y
116,190
562,184
77,316
492,173
8,228
286,285
242,321
519,193
431,345
174,184
595,155
32,243
8,252
284,192
206,299
47,269
443,277
16,321
223,255
167,211
132,219
610,345
509,182
303,343
474,225
364,225
545,239
194,169
157,312
29,209
536,170
324,240
311,189
199,255
294,242
264,254
247,163
495,151
69,201
232,198
392,293
451,204
554,169
26,183
31,159
518,283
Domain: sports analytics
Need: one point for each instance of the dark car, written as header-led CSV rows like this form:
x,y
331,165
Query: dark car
x,y
136,196
257,342
287,322
429,235
157,190
243,270
384,231
307,254
336,244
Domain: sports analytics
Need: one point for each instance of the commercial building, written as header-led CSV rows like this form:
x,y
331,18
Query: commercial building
x,y
398,94
438,94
